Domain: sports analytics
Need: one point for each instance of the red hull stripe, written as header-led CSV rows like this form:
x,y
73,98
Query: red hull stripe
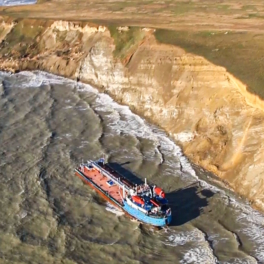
x,y
101,193
97,188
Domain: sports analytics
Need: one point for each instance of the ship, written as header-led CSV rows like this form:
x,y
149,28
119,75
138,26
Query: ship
x,y
144,202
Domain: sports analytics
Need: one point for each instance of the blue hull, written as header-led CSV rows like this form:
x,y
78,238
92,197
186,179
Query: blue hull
x,y
160,222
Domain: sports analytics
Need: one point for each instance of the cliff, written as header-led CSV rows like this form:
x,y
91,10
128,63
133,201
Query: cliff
x,y
210,113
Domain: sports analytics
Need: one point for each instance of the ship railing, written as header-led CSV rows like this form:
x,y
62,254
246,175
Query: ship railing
x,y
106,173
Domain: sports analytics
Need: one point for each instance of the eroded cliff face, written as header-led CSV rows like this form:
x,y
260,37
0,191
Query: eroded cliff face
x,y
219,125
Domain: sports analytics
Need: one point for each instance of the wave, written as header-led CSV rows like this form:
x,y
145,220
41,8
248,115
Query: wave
x,y
111,208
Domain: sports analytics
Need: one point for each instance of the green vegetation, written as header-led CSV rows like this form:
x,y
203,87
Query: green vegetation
x,y
223,7
130,10
119,6
251,15
182,8
21,41
241,53
125,40
249,7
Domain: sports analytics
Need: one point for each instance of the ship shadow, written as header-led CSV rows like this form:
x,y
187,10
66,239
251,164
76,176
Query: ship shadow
x,y
125,172
187,204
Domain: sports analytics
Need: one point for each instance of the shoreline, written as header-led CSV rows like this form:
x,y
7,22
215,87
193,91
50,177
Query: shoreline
x,y
212,180
191,99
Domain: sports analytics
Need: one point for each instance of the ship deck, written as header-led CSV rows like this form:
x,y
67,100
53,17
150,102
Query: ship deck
x,y
103,182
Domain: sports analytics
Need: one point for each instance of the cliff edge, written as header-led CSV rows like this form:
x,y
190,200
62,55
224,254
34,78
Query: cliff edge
x,y
206,110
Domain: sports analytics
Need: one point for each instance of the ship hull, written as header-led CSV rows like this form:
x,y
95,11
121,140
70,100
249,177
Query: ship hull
x,y
127,209
142,217
98,189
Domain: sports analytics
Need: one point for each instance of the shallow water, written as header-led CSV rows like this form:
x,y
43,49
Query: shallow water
x,y
16,2
48,125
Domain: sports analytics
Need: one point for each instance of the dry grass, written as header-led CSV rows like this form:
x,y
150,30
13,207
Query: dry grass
x,y
170,14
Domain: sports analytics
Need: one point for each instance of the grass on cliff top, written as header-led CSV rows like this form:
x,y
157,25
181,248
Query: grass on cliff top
x,y
21,41
176,7
126,41
241,53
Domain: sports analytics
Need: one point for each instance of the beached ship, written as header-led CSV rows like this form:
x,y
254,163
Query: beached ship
x,y
144,202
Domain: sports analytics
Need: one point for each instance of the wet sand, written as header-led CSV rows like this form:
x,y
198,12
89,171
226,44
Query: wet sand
x,y
48,125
